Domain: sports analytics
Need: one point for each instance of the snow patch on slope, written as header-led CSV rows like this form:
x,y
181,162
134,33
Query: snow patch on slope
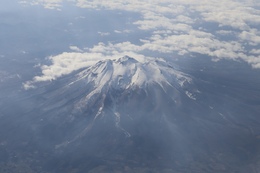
x,y
127,72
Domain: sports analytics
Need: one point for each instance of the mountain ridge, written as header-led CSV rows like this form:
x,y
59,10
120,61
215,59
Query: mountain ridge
x,y
127,72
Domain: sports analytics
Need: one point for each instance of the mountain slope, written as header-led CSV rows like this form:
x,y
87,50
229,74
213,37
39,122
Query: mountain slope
x,y
113,84
143,115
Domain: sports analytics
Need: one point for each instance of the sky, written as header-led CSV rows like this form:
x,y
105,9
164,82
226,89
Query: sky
x,y
217,29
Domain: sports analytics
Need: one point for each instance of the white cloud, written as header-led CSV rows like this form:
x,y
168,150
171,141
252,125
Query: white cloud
x,y
173,30
68,62
253,60
123,31
225,32
255,51
252,36
103,33
75,48
184,19
175,27
49,4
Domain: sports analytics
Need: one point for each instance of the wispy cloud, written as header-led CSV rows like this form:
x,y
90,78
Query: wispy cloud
x,y
75,48
49,4
122,31
174,25
68,62
103,33
252,37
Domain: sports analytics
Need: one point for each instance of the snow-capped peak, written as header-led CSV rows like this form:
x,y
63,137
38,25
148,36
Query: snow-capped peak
x,y
108,83
128,72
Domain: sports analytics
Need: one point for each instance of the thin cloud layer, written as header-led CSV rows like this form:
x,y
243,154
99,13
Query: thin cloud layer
x,y
183,27
49,4
68,62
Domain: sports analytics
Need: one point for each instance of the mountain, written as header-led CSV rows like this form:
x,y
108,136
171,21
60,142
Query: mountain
x,y
125,90
141,115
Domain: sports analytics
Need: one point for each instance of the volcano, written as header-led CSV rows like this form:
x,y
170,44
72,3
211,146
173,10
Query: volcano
x,y
123,98
122,93
141,115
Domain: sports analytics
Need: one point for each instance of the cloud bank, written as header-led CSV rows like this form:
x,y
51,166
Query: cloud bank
x,y
220,29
